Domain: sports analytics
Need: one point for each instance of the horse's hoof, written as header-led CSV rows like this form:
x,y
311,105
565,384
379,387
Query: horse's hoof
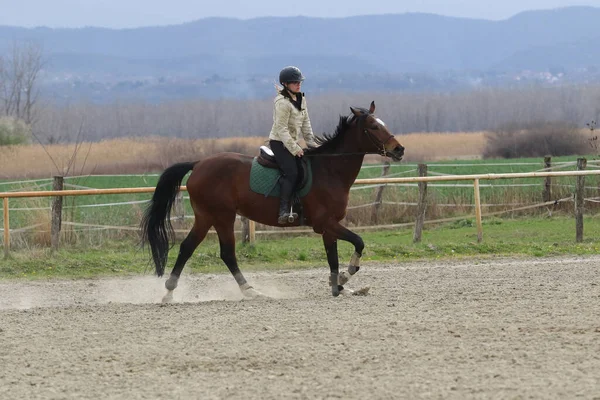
x,y
168,298
361,292
251,293
343,277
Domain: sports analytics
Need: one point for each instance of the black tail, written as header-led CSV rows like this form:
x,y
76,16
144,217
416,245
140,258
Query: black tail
x,y
156,225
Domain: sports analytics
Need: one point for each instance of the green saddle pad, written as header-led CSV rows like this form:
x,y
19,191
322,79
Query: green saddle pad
x,y
263,180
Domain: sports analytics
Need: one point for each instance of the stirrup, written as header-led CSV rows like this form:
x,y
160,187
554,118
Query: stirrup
x,y
287,218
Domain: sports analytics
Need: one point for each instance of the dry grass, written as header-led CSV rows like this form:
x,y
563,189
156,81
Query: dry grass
x,y
443,146
112,156
38,220
154,154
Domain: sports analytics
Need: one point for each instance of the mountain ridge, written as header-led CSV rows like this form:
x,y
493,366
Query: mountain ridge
x,y
229,49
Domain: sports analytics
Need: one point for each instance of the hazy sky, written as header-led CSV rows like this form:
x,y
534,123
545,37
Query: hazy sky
x,y
134,13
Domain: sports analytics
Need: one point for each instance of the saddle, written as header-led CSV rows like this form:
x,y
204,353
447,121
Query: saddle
x,y
266,158
265,175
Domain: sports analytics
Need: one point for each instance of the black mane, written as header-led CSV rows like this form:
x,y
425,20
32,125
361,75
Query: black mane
x,y
329,142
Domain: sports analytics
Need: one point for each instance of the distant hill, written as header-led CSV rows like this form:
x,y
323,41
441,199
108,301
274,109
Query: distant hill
x,y
212,56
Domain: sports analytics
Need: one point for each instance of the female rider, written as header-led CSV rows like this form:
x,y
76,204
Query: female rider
x,y
290,118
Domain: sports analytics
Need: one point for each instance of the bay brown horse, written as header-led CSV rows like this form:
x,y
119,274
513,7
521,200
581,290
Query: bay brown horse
x,y
219,189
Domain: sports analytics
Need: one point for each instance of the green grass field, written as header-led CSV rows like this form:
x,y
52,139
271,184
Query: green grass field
x,y
537,237
446,199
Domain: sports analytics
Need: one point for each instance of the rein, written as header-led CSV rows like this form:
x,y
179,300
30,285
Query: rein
x,y
343,154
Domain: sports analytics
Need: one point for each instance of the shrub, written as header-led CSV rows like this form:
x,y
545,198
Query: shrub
x,y
14,131
535,140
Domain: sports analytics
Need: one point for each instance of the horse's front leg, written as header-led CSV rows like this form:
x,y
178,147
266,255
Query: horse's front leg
x,y
330,244
337,230
353,267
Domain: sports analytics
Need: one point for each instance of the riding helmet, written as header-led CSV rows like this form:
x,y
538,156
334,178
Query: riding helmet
x,y
290,74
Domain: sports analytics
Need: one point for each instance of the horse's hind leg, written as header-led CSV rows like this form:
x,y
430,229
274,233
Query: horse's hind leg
x,y
186,249
227,244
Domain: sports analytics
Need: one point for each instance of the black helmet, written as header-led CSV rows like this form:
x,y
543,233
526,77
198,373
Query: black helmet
x,y
290,74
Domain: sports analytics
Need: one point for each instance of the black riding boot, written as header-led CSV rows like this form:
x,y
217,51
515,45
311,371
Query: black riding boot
x,y
286,216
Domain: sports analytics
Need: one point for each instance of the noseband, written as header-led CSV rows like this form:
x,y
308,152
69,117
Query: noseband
x,y
378,143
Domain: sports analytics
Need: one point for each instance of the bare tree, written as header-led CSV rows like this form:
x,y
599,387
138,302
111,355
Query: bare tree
x,y
476,110
19,71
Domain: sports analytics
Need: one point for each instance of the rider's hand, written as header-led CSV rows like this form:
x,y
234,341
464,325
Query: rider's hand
x,y
300,153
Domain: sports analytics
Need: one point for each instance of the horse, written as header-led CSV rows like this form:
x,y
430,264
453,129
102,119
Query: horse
x,y
219,189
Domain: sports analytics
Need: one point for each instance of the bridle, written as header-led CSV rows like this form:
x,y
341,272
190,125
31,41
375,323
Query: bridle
x,y
376,142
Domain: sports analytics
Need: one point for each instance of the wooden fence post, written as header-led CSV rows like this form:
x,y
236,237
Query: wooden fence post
x,y
251,231
245,229
478,211
57,202
178,207
379,195
422,206
579,204
6,227
547,193
248,230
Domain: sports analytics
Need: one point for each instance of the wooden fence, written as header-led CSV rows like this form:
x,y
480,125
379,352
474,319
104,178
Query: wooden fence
x,y
249,229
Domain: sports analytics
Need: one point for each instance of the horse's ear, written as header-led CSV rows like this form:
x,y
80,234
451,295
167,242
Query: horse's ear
x,y
355,111
372,108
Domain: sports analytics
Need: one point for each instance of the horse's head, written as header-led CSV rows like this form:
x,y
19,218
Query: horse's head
x,y
375,136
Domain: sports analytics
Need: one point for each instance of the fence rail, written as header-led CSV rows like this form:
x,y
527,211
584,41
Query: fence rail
x,y
421,180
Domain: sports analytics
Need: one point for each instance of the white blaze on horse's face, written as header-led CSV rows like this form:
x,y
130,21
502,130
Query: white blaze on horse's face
x,y
380,121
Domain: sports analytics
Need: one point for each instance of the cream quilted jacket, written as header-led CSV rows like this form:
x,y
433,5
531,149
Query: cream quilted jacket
x,y
289,122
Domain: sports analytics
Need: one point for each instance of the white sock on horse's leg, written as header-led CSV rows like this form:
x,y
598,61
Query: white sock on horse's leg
x,y
353,268
354,265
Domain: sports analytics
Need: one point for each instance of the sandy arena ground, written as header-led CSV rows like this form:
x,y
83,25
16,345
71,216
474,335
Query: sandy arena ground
x,y
496,328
